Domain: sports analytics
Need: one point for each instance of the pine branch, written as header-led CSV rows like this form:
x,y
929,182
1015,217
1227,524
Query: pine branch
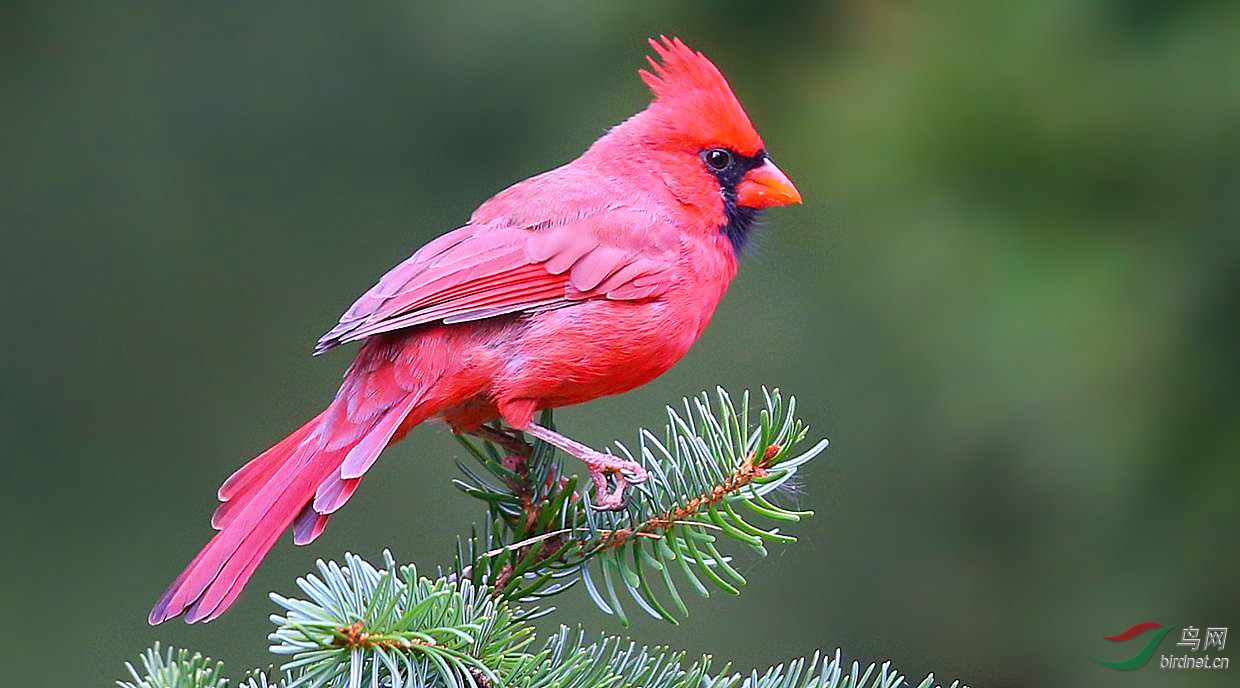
x,y
709,472
175,669
395,627
388,627
363,626
713,470
568,660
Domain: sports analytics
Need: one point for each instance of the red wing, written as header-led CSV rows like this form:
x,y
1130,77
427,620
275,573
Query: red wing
x,y
483,271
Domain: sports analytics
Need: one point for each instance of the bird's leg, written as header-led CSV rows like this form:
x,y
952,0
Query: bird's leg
x,y
624,473
509,441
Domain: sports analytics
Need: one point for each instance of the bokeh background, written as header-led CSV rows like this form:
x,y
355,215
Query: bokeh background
x,y
1010,300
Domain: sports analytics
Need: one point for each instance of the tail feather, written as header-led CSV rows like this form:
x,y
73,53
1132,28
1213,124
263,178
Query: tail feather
x,y
206,609
238,564
246,481
266,462
339,487
309,525
332,494
227,511
274,490
251,529
363,454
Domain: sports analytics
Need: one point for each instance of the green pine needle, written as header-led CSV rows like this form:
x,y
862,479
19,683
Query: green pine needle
x,y
713,471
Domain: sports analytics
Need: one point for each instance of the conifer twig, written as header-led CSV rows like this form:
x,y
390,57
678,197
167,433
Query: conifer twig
x,y
712,471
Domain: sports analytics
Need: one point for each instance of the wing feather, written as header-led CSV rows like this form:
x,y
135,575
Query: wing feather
x,y
485,271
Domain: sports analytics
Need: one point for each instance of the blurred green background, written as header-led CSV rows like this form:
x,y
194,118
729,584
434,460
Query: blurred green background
x,y
1010,300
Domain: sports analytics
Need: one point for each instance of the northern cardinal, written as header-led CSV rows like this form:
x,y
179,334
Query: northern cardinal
x,y
587,280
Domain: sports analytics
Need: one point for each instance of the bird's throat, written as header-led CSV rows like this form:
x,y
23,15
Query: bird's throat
x,y
739,223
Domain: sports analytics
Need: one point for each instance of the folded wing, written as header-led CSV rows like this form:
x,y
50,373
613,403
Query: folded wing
x,y
485,271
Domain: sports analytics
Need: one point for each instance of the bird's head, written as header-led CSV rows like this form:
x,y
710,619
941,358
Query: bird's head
x,y
702,143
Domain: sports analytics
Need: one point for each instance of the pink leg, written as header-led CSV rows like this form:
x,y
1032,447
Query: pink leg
x,y
624,472
509,441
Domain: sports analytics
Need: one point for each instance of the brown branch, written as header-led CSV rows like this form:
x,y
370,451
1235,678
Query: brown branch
x,y
517,460
356,636
744,475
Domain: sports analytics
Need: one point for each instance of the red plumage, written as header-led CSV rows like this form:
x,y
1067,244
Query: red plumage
x,y
584,281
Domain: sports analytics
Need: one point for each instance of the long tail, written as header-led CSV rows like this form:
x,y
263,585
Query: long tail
x,y
300,481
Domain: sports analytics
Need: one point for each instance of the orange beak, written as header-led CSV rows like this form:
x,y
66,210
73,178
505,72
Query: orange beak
x,y
766,186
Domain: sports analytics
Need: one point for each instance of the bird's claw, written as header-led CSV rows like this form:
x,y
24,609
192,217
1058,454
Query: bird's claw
x,y
614,501
634,472
622,473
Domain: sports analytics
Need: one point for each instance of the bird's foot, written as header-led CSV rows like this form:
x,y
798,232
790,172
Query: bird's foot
x,y
611,495
611,475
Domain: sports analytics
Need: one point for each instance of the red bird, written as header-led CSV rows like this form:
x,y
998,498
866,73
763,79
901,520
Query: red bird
x,y
584,281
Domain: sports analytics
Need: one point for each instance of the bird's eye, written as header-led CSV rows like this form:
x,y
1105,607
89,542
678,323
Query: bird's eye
x,y
717,159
